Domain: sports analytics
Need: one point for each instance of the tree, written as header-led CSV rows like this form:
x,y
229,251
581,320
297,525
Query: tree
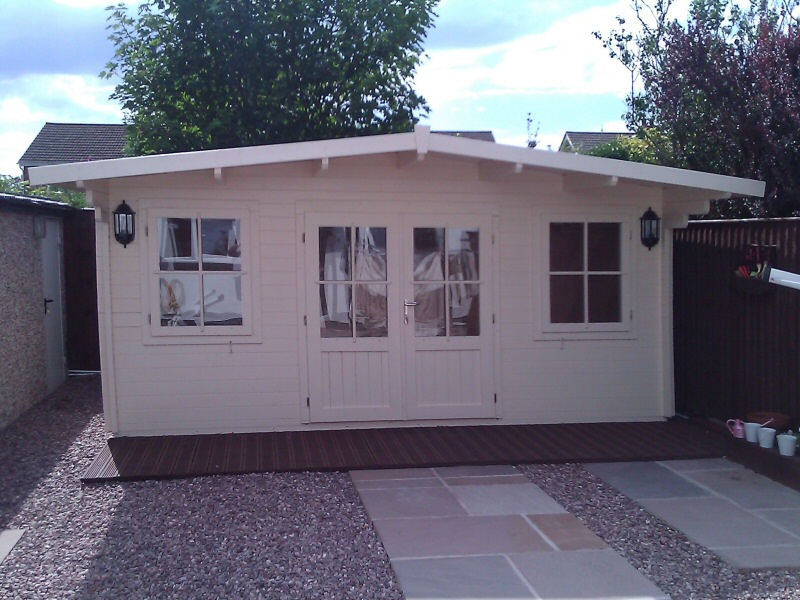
x,y
722,87
203,74
18,186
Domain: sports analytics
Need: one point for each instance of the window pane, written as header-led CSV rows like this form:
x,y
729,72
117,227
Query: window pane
x,y
428,254
462,254
222,249
180,300
370,254
371,310
222,299
566,246
465,309
429,312
334,299
604,247
334,253
177,244
566,299
605,299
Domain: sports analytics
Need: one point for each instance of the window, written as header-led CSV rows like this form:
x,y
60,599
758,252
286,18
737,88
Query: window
x,y
586,280
353,282
199,278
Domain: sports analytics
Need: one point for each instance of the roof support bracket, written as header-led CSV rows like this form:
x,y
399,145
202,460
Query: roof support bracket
x,y
495,171
579,182
218,175
322,166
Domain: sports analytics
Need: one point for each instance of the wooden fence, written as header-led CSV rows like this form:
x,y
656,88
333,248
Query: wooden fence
x,y
737,342
80,282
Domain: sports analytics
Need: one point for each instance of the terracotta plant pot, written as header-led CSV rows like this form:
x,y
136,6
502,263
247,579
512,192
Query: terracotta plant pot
x,y
780,421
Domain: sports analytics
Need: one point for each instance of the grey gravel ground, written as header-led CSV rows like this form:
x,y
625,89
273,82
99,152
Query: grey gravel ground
x,y
303,535
676,564
265,536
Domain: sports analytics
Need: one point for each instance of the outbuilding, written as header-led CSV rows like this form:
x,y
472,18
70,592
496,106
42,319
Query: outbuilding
x,y
404,279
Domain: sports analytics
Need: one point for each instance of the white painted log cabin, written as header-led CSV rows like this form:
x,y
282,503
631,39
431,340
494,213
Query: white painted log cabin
x,y
404,279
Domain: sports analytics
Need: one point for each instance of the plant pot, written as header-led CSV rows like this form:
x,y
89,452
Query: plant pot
x,y
787,444
766,437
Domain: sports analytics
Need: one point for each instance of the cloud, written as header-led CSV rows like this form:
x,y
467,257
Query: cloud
x,y
56,39
26,103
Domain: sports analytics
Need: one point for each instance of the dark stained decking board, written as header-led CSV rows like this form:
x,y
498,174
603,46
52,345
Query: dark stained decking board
x,y
161,457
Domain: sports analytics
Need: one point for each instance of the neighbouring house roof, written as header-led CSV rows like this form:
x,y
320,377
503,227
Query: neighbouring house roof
x,y
59,143
682,189
32,203
585,141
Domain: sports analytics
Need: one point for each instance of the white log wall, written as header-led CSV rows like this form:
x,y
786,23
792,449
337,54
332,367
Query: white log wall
x,y
187,387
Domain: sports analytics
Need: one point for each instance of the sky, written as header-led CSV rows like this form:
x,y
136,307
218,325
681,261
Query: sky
x,y
487,65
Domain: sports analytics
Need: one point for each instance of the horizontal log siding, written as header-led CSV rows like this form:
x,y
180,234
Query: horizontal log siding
x,y
736,350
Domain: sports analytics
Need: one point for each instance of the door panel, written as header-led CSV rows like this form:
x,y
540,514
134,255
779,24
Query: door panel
x,y
402,317
352,297
449,365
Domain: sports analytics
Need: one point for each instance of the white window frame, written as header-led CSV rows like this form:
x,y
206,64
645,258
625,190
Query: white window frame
x,y
626,328
155,333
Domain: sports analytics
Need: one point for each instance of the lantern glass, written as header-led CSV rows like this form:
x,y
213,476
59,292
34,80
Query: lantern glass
x,y
124,224
651,228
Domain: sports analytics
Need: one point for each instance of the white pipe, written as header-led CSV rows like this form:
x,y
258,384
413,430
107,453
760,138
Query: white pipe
x,y
784,278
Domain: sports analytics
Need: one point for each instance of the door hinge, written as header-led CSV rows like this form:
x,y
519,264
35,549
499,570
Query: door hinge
x,y
631,314
305,320
304,237
495,398
308,402
146,231
149,319
493,319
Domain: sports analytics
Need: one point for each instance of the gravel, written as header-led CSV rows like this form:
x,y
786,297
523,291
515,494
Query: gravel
x,y
274,535
680,567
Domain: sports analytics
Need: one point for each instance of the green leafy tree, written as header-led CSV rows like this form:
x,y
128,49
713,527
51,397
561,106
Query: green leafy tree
x,y
204,74
16,185
722,87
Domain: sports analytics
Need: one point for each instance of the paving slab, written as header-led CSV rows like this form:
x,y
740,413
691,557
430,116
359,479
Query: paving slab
x,y
645,480
584,574
785,518
9,539
761,557
716,522
477,470
701,464
410,502
463,577
368,474
458,536
567,532
388,484
515,499
748,489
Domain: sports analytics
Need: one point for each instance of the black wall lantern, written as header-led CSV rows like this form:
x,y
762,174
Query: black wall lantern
x,y
651,228
124,224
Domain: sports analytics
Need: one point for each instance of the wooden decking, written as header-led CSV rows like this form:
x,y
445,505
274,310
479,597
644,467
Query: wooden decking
x,y
162,457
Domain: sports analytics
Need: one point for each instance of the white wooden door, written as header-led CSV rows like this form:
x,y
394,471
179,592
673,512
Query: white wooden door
x,y
352,299
53,310
449,359
399,322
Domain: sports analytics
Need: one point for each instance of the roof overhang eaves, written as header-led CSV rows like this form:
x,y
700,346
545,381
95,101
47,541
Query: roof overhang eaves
x,y
420,141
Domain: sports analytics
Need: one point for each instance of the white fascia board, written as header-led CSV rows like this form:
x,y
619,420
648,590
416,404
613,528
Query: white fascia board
x,y
221,159
567,162
420,141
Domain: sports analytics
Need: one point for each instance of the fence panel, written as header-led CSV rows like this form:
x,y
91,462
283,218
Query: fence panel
x,y
737,342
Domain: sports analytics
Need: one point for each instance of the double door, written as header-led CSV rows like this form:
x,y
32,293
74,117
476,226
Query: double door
x,y
399,317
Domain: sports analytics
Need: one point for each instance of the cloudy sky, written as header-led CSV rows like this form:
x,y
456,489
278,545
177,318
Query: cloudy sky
x,y
489,63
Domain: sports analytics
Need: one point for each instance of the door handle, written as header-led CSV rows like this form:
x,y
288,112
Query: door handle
x,y
406,304
46,302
